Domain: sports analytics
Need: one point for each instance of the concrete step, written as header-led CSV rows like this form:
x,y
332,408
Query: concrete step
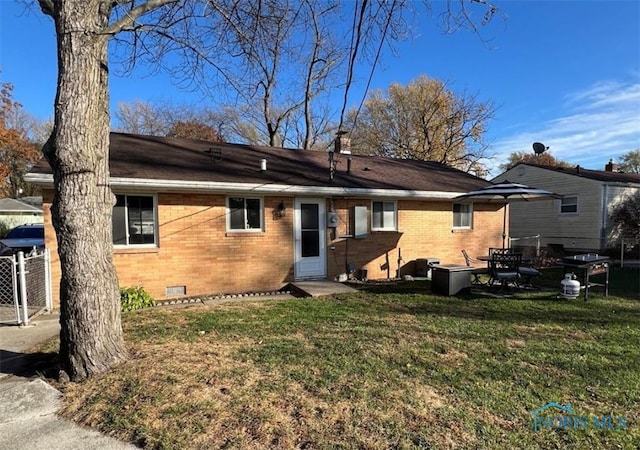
x,y
318,288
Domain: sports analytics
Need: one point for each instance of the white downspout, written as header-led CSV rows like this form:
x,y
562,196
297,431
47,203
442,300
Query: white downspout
x,y
605,215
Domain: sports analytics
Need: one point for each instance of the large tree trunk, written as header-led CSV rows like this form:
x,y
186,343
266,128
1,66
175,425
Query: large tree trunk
x,y
91,339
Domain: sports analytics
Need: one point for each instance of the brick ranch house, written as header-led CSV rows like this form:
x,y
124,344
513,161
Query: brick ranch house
x,y
195,218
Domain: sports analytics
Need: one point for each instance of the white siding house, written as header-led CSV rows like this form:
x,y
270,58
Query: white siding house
x,y
14,212
580,220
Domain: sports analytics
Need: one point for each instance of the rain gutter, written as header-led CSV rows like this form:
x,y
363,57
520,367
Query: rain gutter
x,y
140,185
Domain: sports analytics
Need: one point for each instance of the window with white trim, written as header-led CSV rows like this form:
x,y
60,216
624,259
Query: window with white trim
x,y
462,215
134,220
384,216
569,204
244,214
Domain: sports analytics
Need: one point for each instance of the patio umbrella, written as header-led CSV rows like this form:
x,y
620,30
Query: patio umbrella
x,y
506,192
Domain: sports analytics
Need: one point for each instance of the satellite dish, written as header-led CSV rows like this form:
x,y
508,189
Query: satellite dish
x,y
539,148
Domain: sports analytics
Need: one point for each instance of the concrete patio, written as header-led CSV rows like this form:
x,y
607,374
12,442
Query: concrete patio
x,y
318,288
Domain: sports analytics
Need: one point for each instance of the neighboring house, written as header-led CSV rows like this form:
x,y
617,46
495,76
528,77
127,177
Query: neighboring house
x,y
580,220
14,212
195,217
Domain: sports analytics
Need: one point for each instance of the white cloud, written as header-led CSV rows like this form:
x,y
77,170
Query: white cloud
x,y
599,123
607,93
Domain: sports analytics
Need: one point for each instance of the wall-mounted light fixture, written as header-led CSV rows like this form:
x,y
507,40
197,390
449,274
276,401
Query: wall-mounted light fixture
x,y
281,211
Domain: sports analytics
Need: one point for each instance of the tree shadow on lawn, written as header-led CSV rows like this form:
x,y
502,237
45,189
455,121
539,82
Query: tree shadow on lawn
x,y
29,365
623,282
543,306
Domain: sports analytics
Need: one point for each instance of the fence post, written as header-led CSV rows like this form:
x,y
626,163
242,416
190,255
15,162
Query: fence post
x,y
47,279
22,283
14,286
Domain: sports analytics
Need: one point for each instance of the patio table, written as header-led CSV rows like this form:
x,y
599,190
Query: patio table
x,y
525,270
487,258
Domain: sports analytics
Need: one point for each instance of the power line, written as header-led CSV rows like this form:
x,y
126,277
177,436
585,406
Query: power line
x,y
375,61
356,32
356,35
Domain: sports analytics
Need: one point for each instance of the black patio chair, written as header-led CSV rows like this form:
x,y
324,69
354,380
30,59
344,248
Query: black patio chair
x,y
477,271
528,273
504,268
500,251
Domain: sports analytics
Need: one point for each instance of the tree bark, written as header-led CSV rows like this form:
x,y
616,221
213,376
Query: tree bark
x,y
91,338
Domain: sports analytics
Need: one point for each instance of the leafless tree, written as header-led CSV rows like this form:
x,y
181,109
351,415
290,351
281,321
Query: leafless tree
x,y
201,34
141,117
91,339
167,119
283,54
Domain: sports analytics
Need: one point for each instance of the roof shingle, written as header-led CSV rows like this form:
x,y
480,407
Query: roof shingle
x,y
598,175
164,158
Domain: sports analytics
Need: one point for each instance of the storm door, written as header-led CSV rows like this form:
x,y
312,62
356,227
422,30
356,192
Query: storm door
x,y
310,238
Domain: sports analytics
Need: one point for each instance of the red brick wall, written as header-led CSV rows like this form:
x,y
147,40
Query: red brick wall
x,y
425,229
196,251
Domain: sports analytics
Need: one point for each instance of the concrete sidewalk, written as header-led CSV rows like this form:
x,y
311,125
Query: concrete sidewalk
x,y
16,342
28,405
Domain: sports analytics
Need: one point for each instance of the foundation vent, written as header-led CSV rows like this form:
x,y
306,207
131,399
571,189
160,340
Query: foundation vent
x,y
172,291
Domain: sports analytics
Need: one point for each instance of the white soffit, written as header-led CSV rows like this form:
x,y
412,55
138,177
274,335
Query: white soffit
x,y
149,185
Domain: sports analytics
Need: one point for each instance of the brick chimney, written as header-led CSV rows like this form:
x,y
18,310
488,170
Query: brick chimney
x,y
611,166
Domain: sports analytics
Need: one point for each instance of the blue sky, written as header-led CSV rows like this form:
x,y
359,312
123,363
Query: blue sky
x,y
565,73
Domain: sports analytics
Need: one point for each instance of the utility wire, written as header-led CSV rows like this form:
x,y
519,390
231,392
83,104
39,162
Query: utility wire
x,y
356,35
356,31
375,61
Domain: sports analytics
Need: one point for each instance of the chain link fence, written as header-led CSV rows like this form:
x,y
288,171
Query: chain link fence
x,y
36,281
25,287
8,306
546,250
629,251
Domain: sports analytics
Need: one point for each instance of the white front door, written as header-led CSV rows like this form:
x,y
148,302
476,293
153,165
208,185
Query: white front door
x,y
310,238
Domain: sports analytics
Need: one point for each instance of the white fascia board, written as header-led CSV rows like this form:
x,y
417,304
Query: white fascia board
x,y
16,206
149,185
623,184
41,179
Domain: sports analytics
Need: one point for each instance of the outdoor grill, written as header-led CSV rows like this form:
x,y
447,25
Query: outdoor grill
x,y
588,264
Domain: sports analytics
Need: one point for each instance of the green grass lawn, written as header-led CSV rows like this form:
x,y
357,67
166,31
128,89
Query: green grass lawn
x,y
391,366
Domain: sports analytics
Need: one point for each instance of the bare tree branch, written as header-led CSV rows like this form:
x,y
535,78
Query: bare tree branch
x,y
126,21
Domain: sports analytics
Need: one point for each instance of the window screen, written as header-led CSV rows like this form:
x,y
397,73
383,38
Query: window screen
x,y
462,214
245,213
383,215
134,220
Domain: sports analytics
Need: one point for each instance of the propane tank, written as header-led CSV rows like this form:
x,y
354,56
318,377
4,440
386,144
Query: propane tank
x,y
570,286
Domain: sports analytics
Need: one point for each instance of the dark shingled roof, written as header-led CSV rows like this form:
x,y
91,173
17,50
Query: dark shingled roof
x,y
164,158
598,175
